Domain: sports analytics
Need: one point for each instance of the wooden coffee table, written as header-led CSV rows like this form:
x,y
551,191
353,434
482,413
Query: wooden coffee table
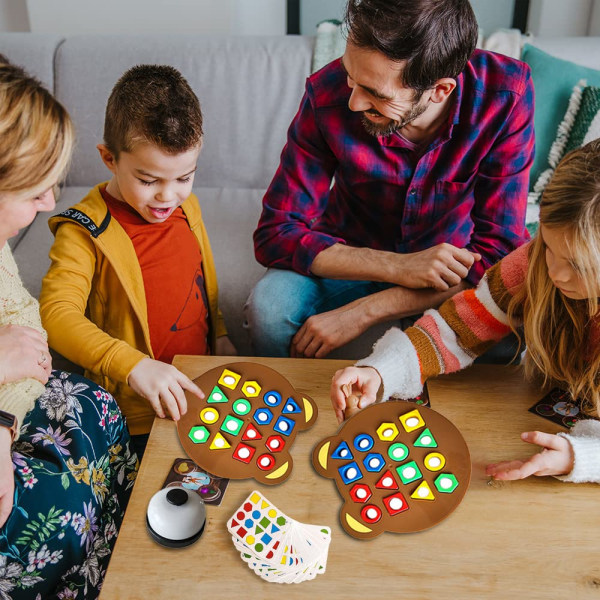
x,y
538,538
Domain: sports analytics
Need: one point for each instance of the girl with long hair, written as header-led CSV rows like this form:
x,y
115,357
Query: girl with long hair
x,y
547,289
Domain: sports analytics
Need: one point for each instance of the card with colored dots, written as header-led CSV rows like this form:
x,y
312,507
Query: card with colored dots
x,y
246,424
559,407
275,546
398,468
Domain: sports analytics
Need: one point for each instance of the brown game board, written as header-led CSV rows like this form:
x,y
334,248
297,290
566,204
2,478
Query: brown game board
x,y
398,468
246,424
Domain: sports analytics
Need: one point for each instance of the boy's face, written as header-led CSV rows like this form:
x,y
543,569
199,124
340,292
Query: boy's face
x,y
151,181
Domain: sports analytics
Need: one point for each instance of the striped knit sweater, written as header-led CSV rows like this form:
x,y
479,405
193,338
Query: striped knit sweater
x,y
451,338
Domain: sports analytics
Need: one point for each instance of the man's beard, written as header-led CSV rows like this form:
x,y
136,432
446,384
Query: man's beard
x,y
416,110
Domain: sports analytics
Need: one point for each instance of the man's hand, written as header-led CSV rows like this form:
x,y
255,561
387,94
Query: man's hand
x,y
322,333
556,458
162,385
224,347
23,353
361,381
440,267
7,480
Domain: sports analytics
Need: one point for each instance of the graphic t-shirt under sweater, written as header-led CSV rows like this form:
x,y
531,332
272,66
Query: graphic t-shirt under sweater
x,y
171,265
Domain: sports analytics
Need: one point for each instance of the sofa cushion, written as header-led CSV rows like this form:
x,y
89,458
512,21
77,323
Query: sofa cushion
x,y
553,80
249,88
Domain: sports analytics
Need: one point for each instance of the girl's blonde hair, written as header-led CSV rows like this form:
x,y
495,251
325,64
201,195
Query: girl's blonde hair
x,y
36,133
556,328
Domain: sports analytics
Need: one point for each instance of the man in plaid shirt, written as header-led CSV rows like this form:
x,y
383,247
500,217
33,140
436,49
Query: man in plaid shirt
x,y
404,177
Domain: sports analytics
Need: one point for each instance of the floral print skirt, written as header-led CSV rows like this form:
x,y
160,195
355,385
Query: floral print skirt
x,y
74,471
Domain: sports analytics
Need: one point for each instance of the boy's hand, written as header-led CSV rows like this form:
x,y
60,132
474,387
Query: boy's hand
x,y
556,458
162,385
224,347
361,381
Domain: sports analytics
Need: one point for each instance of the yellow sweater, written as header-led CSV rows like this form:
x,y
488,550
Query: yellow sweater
x,y
93,304
17,307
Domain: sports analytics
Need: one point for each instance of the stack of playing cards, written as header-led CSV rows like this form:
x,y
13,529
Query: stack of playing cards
x,y
275,546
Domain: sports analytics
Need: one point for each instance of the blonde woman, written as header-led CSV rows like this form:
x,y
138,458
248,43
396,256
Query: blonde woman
x,y
65,465
550,287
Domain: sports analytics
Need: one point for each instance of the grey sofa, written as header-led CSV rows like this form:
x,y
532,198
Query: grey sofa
x,y
249,88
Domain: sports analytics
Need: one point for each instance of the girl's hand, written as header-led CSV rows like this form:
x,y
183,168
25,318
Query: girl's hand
x,y
556,458
361,381
162,385
23,353
7,479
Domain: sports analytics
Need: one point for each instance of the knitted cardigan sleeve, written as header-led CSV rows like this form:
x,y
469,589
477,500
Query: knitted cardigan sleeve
x,y
17,307
585,440
450,338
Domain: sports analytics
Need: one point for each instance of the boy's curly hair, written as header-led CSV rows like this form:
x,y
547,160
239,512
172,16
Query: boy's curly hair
x,y
152,104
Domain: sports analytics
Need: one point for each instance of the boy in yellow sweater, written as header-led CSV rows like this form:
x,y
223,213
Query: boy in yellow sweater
x,y
132,280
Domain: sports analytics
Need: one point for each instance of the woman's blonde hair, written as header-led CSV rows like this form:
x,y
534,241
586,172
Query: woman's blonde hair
x,y
36,133
556,328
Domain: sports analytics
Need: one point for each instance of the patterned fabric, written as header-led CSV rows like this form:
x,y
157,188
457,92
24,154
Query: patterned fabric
x,y
468,187
73,476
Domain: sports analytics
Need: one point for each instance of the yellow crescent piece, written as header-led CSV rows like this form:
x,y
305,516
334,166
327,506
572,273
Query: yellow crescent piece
x,y
356,525
323,452
279,472
308,409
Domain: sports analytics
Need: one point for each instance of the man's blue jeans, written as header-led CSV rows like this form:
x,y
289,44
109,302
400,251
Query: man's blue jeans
x,y
282,301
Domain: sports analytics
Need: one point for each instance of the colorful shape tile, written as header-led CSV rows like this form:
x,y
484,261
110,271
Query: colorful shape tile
x,y
396,503
216,396
265,462
231,425
370,513
219,442
398,452
244,453
251,433
374,462
434,461
423,492
251,389
263,416
342,452
412,420
350,473
275,443
229,379
446,483
426,440
387,432
241,406
199,434
387,482
363,442
209,415
284,426
409,472
360,492
291,407
272,398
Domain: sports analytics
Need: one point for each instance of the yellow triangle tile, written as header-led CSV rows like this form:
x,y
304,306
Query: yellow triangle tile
x,y
219,442
423,492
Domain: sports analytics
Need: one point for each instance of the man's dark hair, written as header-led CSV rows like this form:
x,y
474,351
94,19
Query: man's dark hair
x,y
152,104
434,37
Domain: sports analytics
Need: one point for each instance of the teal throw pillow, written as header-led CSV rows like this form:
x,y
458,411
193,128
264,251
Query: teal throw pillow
x,y
553,81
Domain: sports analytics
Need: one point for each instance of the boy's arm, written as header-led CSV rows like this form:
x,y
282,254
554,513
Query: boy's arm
x,y
63,303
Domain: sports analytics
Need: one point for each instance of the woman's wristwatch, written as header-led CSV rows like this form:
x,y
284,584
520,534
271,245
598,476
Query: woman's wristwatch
x,y
9,421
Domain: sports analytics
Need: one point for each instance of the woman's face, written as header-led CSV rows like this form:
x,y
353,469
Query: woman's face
x,y
563,268
18,211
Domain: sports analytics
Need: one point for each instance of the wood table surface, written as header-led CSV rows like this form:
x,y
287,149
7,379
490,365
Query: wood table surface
x,y
537,538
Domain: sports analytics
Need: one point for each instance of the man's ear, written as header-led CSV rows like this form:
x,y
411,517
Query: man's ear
x,y
442,89
108,158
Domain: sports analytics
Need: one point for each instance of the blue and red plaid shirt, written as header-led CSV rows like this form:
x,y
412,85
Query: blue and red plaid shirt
x,y
468,187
